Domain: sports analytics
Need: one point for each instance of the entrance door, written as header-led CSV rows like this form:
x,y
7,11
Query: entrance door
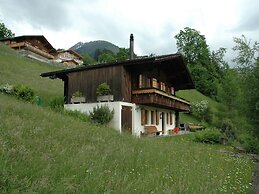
x,y
126,118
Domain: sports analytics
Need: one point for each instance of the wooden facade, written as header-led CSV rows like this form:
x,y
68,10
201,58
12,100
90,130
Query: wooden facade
x,y
148,81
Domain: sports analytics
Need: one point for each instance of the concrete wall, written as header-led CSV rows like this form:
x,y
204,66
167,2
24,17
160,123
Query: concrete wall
x,y
137,128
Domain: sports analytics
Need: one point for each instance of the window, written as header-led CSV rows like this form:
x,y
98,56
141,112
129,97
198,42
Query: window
x,y
167,118
146,116
157,117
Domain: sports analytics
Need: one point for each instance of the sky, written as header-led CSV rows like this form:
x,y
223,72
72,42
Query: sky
x,y
154,23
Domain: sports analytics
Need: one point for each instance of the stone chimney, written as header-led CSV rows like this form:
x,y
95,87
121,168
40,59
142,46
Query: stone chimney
x,y
131,50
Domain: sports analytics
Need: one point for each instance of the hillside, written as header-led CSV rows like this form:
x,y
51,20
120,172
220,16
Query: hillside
x,y
42,151
15,69
91,47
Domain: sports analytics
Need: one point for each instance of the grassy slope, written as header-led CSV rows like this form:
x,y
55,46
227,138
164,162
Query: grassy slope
x,y
15,69
42,151
195,96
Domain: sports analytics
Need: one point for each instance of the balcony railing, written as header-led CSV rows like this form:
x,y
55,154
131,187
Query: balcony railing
x,y
158,98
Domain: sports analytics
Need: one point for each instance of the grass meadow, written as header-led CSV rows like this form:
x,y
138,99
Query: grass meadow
x,y
42,151
46,152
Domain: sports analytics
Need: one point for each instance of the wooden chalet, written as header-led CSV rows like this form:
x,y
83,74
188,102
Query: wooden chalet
x,y
143,91
68,58
33,46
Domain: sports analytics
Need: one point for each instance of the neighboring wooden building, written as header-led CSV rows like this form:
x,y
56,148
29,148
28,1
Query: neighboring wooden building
x,y
33,46
68,58
143,91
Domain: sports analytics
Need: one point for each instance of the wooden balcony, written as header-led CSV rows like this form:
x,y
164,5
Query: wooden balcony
x,y
158,98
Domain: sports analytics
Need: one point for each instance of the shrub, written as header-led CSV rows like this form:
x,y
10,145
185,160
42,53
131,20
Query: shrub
x,y
249,143
210,136
201,110
103,89
7,89
57,104
23,92
102,115
228,128
77,94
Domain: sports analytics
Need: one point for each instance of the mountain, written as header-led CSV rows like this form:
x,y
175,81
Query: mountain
x,y
91,47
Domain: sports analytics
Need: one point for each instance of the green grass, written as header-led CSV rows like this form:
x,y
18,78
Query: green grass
x,y
195,96
15,69
42,151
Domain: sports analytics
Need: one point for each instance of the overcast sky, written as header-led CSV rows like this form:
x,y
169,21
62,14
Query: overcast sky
x,y
154,23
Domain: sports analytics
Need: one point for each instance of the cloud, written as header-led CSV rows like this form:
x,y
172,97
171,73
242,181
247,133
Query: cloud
x,y
48,13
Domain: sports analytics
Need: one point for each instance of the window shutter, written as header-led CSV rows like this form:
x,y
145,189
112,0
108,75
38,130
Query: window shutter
x,y
142,116
171,118
157,117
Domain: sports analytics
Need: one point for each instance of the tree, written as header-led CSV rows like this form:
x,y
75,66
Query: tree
x,y
107,56
229,89
205,67
247,53
88,60
5,32
251,95
122,55
192,45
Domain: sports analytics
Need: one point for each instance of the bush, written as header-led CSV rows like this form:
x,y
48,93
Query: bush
x,y
102,115
202,111
7,89
103,89
228,128
249,143
210,136
57,104
23,92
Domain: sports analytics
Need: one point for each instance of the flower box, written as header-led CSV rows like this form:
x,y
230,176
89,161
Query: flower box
x,y
78,100
105,98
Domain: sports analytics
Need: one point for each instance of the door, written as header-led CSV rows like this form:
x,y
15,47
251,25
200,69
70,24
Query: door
x,y
126,118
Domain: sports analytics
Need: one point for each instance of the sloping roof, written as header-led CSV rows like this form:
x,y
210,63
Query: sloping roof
x,y
41,38
172,64
71,52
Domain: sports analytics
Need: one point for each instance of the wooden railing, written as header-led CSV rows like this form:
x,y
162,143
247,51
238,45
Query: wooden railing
x,y
155,97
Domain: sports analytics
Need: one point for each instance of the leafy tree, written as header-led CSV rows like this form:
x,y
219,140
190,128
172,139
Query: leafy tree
x,y
122,55
192,45
251,94
106,56
5,32
206,67
217,59
247,53
88,60
229,89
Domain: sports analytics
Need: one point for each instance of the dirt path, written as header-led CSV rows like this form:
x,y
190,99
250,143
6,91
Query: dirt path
x,y
256,180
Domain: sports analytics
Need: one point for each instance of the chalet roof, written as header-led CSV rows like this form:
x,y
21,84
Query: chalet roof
x,y
172,64
41,38
71,52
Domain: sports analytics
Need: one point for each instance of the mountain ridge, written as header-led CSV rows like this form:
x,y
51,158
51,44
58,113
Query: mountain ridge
x,y
91,47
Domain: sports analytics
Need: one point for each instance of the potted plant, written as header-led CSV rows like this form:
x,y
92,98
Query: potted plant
x,y
77,97
104,93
